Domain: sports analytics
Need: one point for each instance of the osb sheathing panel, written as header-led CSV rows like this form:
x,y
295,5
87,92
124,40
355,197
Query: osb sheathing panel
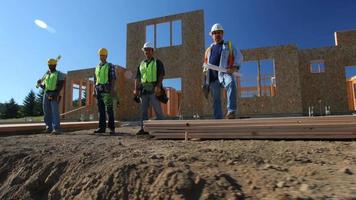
x,y
288,99
125,97
346,38
183,61
330,86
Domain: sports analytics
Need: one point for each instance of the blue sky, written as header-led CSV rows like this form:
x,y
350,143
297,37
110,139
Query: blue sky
x,y
83,26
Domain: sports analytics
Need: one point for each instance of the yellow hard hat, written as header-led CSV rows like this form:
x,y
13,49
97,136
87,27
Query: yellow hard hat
x,y
52,61
103,52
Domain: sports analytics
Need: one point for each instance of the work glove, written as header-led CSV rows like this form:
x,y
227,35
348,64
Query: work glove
x,y
231,69
205,69
137,99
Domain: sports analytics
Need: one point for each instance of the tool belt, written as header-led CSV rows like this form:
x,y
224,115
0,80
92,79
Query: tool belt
x,y
148,88
102,88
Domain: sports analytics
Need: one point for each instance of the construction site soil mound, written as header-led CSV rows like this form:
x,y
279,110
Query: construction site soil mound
x,y
80,165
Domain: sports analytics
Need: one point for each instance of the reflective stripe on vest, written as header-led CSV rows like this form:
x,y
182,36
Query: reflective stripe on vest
x,y
231,58
148,72
51,81
102,74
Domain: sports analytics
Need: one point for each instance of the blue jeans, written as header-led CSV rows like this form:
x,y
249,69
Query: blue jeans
x,y
51,113
215,88
146,99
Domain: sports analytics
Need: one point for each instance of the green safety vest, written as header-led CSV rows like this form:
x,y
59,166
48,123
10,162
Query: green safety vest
x,y
148,72
102,74
51,81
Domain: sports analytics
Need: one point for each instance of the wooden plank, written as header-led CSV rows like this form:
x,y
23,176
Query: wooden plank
x,y
338,127
258,120
164,125
310,128
265,137
202,123
37,127
290,133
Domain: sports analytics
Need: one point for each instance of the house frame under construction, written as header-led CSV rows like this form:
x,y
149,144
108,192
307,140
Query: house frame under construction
x,y
304,81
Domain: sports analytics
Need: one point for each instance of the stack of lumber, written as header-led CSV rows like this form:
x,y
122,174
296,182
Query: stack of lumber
x,y
327,127
10,129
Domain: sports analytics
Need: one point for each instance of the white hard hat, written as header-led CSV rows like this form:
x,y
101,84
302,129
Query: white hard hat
x,y
147,45
216,27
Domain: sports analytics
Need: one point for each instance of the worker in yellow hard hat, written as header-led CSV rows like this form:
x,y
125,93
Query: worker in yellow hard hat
x,y
104,83
52,83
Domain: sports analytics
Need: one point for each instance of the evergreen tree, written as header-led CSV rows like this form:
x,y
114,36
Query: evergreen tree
x,y
38,105
11,109
2,110
84,98
29,104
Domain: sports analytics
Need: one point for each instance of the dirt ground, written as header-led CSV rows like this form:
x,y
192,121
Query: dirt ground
x,y
79,165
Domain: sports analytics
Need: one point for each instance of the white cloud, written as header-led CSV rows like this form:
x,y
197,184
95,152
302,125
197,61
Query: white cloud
x,y
43,25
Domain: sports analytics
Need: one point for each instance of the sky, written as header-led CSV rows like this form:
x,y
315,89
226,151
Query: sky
x,y
78,28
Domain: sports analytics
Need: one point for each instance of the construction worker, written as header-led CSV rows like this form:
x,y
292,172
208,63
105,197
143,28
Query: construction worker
x,y
221,53
104,83
148,84
52,83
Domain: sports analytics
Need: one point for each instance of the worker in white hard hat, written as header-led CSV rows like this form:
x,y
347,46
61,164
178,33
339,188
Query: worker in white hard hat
x,y
52,83
148,84
223,54
104,78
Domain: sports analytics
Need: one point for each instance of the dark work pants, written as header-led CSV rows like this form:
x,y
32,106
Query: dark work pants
x,y
102,114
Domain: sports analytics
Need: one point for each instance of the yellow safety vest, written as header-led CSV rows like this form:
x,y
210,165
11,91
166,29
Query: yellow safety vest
x,y
148,72
102,74
51,81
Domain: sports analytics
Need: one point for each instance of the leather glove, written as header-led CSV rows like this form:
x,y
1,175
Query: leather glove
x,y
231,69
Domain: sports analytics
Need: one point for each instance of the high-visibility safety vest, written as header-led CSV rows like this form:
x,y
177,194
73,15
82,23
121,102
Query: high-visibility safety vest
x,y
51,81
231,57
102,74
148,72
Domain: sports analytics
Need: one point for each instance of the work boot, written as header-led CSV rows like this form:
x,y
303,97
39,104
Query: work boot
x,y
230,115
112,131
48,130
56,132
142,132
99,130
